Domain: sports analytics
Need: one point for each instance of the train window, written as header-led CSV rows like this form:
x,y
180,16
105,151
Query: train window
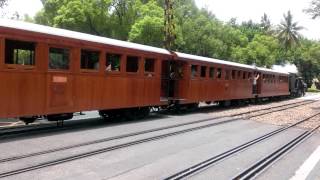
x,y
203,71
227,77
113,62
211,72
244,75
132,64
219,73
194,71
59,58
239,74
19,52
234,74
90,59
249,75
266,78
270,78
149,65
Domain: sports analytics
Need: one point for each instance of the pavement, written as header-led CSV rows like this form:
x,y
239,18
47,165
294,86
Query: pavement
x,y
162,158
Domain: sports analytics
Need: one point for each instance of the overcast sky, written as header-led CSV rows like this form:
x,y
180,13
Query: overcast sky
x,y
243,10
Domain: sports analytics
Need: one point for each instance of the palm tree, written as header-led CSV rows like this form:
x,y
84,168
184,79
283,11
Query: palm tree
x,y
314,9
289,32
265,23
3,3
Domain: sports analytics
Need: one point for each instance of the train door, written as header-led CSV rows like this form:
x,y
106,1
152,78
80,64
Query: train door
x,y
171,73
59,80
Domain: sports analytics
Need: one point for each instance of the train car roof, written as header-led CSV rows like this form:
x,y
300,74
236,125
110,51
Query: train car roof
x,y
218,61
77,35
211,60
108,41
272,71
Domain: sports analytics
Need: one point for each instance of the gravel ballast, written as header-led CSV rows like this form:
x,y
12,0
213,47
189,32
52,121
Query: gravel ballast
x,y
284,117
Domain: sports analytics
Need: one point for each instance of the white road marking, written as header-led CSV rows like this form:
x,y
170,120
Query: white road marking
x,y
307,166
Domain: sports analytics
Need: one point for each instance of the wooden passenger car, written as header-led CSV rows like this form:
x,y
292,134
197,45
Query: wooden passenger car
x,y
273,83
207,80
45,71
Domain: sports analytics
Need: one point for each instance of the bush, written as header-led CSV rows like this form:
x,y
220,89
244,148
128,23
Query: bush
x,y
313,90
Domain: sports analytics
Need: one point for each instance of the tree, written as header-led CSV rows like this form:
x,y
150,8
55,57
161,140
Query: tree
x,y
148,31
250,29
84,16
148,28
88,16
124,14
263,50
3,3
289,32
266,24
314,9
169,25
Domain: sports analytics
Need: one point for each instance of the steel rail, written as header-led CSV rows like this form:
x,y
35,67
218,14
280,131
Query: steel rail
x,y
214,160
264,163
137,133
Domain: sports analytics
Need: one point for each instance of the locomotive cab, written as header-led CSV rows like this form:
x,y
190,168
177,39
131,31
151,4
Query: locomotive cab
x,y
297,86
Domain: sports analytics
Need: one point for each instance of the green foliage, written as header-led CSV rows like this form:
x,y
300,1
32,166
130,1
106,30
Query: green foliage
x,y
263,50
289,32
148,28
147,31
313,89
3,3
314,9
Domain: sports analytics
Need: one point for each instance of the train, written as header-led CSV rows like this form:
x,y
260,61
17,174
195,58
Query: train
x,y
51,72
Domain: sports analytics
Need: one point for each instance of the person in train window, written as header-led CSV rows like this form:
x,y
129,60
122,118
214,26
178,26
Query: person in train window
x,y
194,73
180,72
96,66
219,73
172,75
254,85
109,68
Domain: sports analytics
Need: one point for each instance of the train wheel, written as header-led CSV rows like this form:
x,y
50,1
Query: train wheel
x,y
208,102
60,117
130,114
192,106
103,114
225,103
145,111
28,120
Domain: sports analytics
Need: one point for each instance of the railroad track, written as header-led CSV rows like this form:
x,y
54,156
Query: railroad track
x,y
112,148
52,127
155,130
262,165
259,166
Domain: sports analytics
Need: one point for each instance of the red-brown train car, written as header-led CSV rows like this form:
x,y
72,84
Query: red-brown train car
x,y
202,79
50,71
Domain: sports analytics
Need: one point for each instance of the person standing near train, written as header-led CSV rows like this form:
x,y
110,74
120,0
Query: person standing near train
x,y
254,84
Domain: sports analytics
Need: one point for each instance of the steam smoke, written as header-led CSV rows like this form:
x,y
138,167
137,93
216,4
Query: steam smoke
x,y
289,68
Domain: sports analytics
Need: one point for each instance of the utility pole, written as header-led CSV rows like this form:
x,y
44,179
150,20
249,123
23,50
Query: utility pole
x,y
169,27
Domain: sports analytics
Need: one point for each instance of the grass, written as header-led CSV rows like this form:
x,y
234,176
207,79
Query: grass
x,y
313,89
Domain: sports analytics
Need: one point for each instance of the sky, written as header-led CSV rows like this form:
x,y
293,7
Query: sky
x,y
224,10
245,10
